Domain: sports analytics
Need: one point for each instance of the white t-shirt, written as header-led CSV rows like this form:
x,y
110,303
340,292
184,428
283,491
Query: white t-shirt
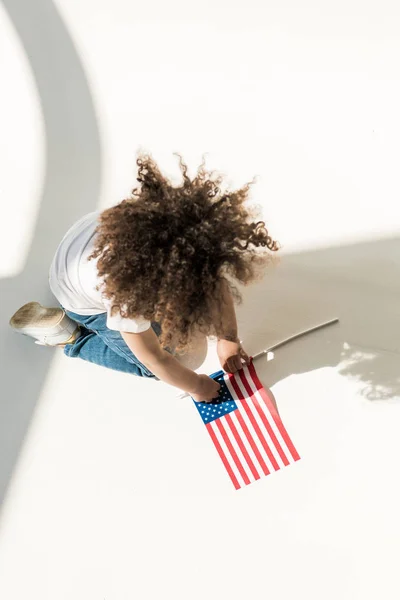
x,y
73,279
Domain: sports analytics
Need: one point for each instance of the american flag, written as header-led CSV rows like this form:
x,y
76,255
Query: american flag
x,y
245,427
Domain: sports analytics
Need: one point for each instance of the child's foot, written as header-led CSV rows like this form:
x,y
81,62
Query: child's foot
x,y
48,326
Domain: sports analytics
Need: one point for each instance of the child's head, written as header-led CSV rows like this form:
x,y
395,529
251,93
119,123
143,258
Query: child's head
x,y
164,251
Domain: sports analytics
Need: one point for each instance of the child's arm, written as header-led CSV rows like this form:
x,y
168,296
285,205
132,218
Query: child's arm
x,y
229,349
146,347
224,316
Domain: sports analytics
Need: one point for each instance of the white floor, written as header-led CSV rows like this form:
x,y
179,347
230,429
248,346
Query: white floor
x,y
112,489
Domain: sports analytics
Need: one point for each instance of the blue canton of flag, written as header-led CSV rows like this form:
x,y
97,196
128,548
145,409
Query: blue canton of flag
x,y
209,411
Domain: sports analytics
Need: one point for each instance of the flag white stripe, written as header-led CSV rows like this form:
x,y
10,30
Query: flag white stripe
x,y
227,454
246,444
264,430
258,420
265,435
253,433
268,415
236,447
275,429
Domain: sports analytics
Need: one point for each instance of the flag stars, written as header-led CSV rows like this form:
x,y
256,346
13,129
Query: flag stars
x,y
213,411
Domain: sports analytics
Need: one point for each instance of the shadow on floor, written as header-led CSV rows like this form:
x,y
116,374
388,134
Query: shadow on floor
x,y
71,189
357,283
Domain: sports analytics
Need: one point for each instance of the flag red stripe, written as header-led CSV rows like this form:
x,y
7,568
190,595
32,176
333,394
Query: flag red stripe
x,y
242,446
281,428
232,451
251,442
273,412
254,400
222,456
270,431
253,422
264,442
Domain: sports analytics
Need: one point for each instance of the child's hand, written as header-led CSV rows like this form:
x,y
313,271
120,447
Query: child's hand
x,y
230,354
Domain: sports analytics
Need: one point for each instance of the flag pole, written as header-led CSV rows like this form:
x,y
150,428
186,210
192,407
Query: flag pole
x,y
294,337
283,342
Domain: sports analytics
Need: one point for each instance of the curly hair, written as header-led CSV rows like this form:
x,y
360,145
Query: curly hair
x,y
165,251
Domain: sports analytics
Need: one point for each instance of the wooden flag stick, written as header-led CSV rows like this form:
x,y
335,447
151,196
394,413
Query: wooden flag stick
x,y
294,337
285,341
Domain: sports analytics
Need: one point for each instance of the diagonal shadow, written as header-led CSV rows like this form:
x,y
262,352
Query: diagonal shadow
x,y
71,189
359,284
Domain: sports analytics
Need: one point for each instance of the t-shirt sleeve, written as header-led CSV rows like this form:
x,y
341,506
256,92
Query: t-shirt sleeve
x,y
118,323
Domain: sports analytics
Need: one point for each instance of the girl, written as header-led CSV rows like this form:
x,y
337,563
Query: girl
x,y
135,281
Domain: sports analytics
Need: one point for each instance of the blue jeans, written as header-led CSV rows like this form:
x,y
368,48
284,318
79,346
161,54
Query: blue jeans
x,y
105,347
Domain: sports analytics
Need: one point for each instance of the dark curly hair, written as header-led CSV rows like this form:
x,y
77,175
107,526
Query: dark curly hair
x,y
164,251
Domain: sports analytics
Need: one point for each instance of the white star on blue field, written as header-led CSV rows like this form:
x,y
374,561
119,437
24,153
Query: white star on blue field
x,y
224,404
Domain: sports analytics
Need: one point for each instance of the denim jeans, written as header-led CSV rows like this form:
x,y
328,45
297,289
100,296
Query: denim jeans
x,y
105,347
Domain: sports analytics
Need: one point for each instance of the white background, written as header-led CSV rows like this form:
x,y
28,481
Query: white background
x,y
112,488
